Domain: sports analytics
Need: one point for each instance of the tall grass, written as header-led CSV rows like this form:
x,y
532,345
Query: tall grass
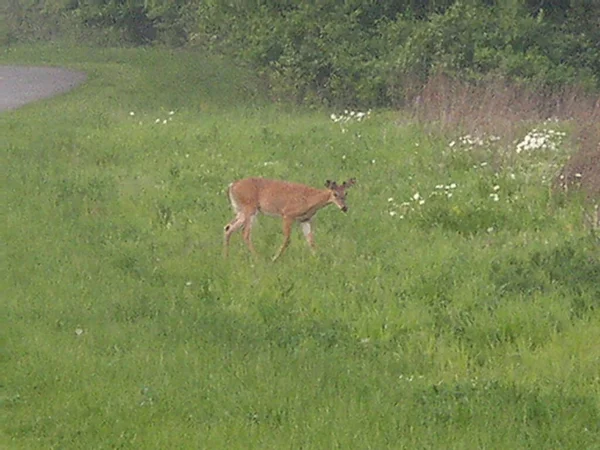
x,y
462,317
505,112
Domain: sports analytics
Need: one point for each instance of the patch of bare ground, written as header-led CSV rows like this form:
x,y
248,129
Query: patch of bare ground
x,y
505,110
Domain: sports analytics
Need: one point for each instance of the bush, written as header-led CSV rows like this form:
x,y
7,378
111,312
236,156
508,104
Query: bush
x,y
351,53
474,42
354,55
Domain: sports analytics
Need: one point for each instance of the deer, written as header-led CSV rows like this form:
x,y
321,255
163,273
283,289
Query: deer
x,y
293,202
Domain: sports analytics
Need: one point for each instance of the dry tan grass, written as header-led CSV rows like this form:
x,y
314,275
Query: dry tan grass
x,y
582,170
583,167
506,110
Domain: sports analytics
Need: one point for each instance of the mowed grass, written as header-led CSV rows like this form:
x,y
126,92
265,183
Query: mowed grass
x,y
461,322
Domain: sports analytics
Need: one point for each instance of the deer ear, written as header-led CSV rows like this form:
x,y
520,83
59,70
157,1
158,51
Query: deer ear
x,y
327,183
349,183
330,184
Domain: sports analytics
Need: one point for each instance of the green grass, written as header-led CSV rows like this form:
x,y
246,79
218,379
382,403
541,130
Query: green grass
x,y
459,323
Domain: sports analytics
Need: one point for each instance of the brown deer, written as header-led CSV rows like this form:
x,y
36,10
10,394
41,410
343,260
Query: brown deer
x,y
292,202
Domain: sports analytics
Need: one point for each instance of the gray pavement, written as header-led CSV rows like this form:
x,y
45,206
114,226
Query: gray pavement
x,y
20,85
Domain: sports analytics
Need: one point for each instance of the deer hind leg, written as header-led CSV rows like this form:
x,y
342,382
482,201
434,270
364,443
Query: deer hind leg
x,y
308,234
287,231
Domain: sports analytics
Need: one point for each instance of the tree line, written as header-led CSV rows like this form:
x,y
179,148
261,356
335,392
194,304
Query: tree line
x,y
346,52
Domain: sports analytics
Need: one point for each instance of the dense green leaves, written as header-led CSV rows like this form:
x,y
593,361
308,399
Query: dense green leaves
x,y
353,52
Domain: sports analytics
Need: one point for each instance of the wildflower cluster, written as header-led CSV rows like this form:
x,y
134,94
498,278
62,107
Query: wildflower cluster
x,y
446,189
393,208
546,139
158,120
577,176
417,200
470,142
349,117
410,378
494,195
168,119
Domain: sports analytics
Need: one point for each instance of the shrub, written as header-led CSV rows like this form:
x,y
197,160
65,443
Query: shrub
x,y
351,53
475,42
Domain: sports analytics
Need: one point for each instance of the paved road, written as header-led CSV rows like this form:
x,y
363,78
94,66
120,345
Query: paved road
x,y
20,85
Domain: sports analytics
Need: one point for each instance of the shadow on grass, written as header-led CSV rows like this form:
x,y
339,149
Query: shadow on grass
x,y
568,265
478,218
478,400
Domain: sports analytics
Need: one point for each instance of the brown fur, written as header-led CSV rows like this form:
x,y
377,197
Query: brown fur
x,y
293,202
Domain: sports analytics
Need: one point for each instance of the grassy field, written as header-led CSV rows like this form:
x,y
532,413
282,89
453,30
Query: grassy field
x,y
456,305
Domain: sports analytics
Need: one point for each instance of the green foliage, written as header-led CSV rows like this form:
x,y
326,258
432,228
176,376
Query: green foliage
x,y
473,41
349,54
105,22
346,53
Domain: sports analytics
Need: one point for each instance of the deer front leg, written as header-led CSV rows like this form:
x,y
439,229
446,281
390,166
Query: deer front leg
x,y
247,233
231,228
287,231
308,234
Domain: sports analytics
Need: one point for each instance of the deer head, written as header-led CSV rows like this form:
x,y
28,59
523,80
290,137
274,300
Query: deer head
x,y
338,192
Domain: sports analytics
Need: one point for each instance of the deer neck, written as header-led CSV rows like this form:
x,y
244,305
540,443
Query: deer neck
x,y
319,199
322,198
